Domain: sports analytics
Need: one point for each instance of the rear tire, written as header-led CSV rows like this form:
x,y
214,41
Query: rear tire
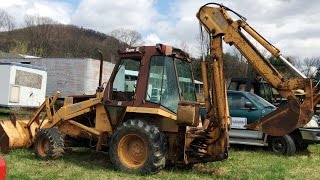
x,y
138,147
49,143
283,145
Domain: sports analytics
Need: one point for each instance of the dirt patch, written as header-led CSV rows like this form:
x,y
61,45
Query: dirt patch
x,y
215,171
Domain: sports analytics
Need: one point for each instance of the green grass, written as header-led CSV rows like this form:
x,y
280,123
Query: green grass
x,y
3,116
4,113
20,113
243,163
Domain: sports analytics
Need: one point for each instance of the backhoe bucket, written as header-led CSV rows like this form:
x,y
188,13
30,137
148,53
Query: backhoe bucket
x,y
15,135
283,120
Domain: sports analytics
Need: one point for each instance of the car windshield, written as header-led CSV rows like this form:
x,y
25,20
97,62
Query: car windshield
x,y
260,100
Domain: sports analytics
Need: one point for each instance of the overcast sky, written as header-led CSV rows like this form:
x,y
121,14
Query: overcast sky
x,y
291,25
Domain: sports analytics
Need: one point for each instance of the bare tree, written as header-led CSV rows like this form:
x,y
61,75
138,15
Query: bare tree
x,y
40,32
243,64
183,45
204,42
127,37
6,21
308,66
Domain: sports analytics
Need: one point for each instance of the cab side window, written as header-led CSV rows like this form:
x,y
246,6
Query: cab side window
x,y
124,84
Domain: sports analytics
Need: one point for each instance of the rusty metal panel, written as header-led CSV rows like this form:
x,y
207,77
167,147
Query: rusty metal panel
x,y
283,120
188,113
70,76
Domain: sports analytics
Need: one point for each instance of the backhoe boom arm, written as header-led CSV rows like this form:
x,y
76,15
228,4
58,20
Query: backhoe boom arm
x,y
218,23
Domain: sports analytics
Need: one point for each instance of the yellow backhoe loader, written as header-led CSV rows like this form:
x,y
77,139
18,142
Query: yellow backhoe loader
x,y
147,115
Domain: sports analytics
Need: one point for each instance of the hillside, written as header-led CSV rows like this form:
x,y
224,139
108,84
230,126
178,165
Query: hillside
x,y
57,40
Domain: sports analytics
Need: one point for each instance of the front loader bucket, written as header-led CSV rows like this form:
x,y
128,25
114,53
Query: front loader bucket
x,y
19,134
284,120
14,134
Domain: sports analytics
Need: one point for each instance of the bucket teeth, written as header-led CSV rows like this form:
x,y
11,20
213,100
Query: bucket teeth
x,y
13,119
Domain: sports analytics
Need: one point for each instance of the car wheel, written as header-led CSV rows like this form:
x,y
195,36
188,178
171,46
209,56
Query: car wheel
x,y
283,145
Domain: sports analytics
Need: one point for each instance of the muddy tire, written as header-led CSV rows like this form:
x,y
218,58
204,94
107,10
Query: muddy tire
x,y
283,145
138,147
49,143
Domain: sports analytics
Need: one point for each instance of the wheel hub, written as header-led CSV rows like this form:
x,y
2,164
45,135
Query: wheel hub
x,y
132,151
43,147
136,150
278,145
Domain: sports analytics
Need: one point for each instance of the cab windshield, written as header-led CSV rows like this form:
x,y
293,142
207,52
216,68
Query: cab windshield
x,y
163,85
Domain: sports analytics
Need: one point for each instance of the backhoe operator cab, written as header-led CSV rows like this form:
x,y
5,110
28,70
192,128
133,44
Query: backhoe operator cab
x,y
151,77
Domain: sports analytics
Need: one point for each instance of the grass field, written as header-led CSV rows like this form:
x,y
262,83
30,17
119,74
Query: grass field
x,y
243,163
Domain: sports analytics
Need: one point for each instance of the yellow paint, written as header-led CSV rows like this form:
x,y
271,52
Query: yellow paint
x,y
151,111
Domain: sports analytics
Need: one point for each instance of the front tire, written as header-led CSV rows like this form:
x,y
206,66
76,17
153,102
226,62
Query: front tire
x,y
138,147
49,143
283,145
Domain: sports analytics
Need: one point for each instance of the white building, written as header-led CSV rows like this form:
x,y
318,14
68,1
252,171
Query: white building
x,y
22,85
70,76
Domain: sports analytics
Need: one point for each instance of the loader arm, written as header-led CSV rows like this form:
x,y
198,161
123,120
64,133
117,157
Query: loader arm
x,y
219,24
71,111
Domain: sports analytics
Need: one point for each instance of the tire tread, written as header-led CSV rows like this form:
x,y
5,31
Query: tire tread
x,y
156,140
56,143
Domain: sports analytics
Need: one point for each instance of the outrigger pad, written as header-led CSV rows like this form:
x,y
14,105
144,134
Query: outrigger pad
x,y
283,120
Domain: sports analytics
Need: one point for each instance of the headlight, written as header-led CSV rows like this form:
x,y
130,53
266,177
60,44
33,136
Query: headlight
x,y
313,123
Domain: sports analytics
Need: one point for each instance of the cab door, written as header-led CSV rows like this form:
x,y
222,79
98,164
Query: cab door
x,y
122,90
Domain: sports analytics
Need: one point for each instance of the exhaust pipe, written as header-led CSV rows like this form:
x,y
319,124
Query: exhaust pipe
x,y
101,68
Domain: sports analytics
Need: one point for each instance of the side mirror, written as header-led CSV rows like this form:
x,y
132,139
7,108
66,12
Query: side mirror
x,y
249,105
